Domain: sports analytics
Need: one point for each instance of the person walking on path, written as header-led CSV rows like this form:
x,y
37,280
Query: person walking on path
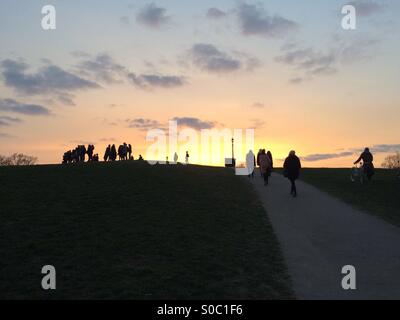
x,y
269,155
265,165
250,163
291,170
258,160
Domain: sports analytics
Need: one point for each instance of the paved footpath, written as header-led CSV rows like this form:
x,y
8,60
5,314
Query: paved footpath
x,y
320,234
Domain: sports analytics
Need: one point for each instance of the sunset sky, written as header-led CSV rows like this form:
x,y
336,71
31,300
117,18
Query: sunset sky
x,y
114,69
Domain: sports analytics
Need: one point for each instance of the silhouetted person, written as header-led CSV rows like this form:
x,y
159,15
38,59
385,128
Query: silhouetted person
x,y
67,157
95,158
187,157
250,163
130,152
269,155
124,151
107,153
113,153
140,157
175,158
291,171
89,152
258,160
367,158
81,153
265,164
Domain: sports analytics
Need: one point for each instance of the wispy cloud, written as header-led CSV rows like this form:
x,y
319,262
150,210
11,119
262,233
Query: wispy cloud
x,y
326,156
254,20
6,136
149,81
378,148
209,58
194,123
367,8
48,79
144,124
10,105
7,121
258,105
103,68
309,60
153,16
215,13
385,148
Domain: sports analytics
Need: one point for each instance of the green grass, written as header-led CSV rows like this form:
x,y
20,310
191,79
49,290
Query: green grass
x,y
380,197
133,231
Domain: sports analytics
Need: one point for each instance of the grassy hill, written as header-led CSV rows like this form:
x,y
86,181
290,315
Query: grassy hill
x,y
133,231
379,197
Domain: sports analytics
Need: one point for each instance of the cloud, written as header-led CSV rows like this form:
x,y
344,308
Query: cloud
x,y
215,13
209,58
5,136
355,49
258,105
296,80
10,105
107,140
148,81
144,124
311,62
82,142
314,63
378,148
385,148
66,99
257,123
367,8
48,79
7,121
326,156
103,68
152,16
194,123
255,20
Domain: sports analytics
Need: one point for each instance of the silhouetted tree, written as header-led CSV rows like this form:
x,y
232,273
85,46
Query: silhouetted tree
x,y
17,159
392,161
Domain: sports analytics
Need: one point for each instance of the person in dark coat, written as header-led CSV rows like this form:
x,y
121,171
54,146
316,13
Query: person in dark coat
x,y
130,152
269,155
258,160
291,170
113,153
265,165
367,158
89,152
107,154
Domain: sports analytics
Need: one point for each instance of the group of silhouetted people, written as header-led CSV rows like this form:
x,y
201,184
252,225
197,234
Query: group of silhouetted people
x,y
292,166
124,152
79,154
111,154
265,162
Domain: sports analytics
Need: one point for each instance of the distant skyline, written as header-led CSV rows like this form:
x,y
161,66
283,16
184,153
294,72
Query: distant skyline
x,y
113,69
